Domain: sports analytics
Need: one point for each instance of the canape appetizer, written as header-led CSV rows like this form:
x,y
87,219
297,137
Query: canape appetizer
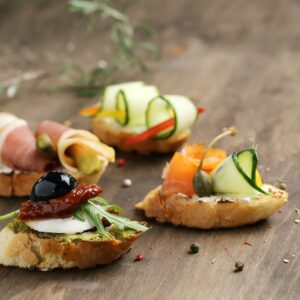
x,y
135,116
204,188
25,157
66,224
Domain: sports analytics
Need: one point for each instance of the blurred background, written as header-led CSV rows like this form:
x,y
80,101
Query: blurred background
x,y
232,57
50,49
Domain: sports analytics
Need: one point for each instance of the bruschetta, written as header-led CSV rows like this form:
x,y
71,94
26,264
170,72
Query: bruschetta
x,y
66,224
25,156
134,116
204,188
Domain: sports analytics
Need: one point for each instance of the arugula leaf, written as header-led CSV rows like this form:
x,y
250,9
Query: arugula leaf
x,y
94,217
119,221
79,215
9,215
106,205
100,200
114,207
95,213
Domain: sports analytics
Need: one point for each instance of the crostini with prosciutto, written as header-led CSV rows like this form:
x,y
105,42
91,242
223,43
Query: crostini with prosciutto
x,y
25,156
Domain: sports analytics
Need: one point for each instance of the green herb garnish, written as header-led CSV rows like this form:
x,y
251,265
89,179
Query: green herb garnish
x,y
131,42
96,212
9,215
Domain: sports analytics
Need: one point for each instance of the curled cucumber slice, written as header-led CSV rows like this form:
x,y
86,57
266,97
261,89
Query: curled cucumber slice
x,y
110,93
238,174
164,107
134,102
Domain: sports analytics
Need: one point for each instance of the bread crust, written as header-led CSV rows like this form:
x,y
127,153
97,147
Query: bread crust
x,y
28,250
111,133
211,212
20,183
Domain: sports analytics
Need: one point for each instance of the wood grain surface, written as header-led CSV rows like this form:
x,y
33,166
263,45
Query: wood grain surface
x,y
241,61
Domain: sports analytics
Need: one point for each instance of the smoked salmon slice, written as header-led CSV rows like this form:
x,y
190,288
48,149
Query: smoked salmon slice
x,y
180,171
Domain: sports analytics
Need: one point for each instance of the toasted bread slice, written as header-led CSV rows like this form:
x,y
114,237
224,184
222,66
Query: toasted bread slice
x,y
111,133
211,212
19,183
22,247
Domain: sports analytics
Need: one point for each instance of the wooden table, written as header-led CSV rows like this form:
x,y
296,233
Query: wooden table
x,y
240,60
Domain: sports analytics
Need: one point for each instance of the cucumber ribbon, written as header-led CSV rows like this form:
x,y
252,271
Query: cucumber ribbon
x,y
153,131
140,108
238,174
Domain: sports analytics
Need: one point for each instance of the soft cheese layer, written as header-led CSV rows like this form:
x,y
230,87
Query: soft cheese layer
x,y
63,225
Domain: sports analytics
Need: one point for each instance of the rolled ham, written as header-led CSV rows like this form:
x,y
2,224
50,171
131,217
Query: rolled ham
x,y
53,129
18,148
64,138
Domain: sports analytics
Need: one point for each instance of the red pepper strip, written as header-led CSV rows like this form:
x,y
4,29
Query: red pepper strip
x,y
150,132
154,130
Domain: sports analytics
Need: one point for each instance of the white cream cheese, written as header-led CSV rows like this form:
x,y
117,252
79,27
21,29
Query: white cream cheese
x,y
60,225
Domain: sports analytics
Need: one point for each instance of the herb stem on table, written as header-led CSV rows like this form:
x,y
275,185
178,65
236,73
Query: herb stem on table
x,y
128,38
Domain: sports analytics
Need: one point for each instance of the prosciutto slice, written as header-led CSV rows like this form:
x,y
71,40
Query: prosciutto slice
x,y
67,140
18,150
53,129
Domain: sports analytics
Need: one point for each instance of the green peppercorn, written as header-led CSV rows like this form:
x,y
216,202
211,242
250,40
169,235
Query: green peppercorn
x,y
194,248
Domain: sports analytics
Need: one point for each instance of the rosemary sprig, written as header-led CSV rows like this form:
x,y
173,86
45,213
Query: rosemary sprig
x,y
129,49
95,213
11,85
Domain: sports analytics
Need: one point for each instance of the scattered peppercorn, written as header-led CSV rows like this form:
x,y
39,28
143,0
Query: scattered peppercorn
x,y
238,266
282,186
121,162
194,248
139,257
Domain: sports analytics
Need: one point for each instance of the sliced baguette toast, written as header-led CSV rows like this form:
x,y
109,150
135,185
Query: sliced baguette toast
x,y
111,133
211,212
22,247
19,183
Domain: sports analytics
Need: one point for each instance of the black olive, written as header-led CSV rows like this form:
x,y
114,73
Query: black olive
x,y
52,185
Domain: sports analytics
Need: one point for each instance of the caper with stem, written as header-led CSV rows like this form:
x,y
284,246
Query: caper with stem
x,y
202,181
